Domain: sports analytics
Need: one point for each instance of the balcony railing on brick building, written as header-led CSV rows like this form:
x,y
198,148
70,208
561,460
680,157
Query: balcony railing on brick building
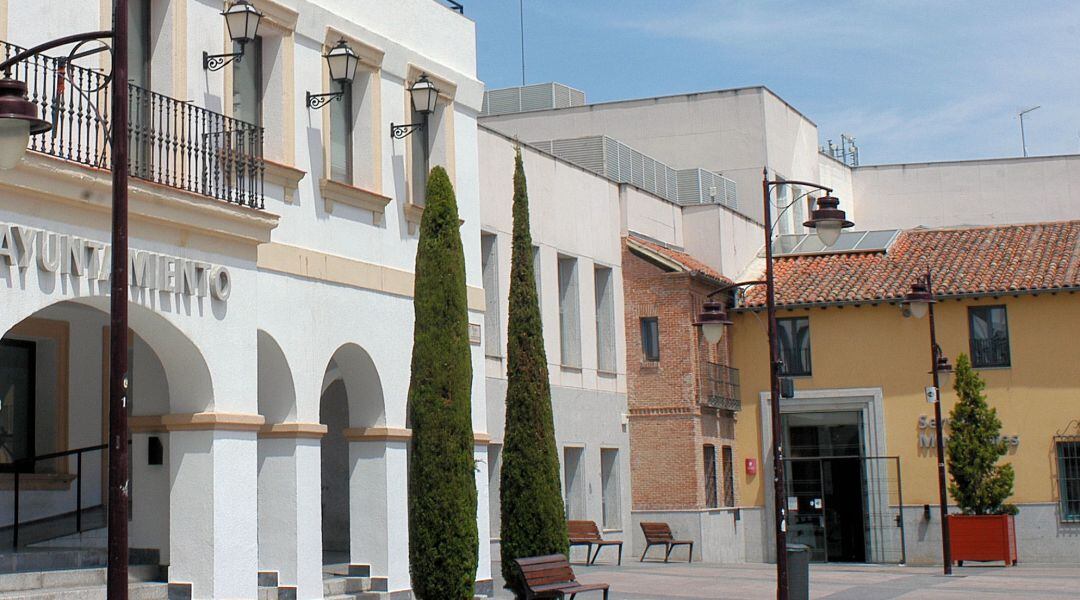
x,y
720,386
172,142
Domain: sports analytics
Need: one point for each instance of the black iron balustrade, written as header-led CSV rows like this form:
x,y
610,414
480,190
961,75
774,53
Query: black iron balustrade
x,y
720,386
990,352
172,142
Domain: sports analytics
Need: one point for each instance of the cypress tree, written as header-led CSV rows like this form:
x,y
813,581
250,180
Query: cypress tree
x,y
979,485
443,543
533,521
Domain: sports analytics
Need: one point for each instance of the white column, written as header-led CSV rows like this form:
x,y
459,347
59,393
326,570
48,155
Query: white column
x,y
483,515
290,531
378,500
149,527
213,530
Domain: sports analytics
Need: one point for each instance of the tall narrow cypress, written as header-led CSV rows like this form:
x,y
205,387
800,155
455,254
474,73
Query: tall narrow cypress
x,y
533,521
443,543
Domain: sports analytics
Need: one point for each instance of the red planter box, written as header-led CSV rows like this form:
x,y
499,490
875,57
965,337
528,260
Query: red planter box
x,y
982,538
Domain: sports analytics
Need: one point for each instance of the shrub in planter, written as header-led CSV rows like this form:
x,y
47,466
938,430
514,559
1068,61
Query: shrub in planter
x,y
980,486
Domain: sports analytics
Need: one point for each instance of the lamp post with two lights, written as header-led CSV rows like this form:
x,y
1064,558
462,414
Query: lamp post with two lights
x,y
828,221
919,302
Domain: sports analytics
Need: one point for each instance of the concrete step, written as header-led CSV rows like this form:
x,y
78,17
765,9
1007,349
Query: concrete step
x,y
336,586
136,591
43,558
39,580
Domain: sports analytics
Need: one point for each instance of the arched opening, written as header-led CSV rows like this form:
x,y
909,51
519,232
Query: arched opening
x,y
54,367
351,399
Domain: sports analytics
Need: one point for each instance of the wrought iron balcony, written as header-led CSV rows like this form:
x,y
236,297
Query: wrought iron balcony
x,y
172,142
720,386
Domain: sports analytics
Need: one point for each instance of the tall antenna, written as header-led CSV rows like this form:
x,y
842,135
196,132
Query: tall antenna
x,y
1023,139
521,14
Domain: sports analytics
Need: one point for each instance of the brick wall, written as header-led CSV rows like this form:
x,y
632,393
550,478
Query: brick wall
x,y
667,432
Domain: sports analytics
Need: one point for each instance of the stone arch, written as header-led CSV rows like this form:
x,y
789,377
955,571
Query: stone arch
x,y
276,389
354,473
191,387
169,375
356,370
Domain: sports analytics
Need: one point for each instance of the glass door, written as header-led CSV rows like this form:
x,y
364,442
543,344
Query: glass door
x,y
17,389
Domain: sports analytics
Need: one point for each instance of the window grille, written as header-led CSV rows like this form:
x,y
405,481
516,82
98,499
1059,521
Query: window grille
x,y
1068,457
711,500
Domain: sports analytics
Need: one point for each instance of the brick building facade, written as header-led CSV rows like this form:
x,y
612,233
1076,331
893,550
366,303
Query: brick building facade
x,y
682,397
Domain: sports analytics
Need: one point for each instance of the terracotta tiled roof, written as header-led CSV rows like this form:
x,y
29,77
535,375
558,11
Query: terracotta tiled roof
x,y
683,260
964,261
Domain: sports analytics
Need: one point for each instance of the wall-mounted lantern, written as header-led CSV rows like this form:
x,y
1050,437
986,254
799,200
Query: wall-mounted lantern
x,y
425,97
342,62
242,20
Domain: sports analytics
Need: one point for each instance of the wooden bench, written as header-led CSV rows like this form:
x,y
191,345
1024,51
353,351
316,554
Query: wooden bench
x,y
659,534
586,533
551,577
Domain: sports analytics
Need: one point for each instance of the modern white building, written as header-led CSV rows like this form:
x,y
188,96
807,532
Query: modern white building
x,y
574,218
272,248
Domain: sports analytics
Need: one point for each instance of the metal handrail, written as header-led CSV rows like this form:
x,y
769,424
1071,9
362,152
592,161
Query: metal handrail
x,y
78,452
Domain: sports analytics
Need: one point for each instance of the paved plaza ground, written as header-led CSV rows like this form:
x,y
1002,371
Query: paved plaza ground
x,y
698,581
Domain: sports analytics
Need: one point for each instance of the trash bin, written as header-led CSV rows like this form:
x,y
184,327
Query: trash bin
x,y
798,574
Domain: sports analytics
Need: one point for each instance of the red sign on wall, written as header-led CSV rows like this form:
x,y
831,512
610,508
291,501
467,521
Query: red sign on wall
x,y
751,466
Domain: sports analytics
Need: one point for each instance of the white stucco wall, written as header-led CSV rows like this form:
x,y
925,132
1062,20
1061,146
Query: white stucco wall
x,y
838,176
573,213
976,192
721,238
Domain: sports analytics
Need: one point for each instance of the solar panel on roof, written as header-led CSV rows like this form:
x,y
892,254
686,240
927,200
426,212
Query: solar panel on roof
x,y
877,240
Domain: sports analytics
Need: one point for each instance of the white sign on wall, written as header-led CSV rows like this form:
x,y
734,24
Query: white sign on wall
x,y
70,255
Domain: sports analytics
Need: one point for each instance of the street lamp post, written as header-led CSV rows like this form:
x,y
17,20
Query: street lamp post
x,y
919,302
17,113
827,220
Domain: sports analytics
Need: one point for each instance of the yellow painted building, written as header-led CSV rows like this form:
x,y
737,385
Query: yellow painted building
x,y
860,370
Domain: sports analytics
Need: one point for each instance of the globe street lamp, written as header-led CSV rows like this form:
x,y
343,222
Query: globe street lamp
x,y
18,120
827,221
918,303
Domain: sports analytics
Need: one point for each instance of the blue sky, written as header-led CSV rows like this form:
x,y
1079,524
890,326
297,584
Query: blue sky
x,y
912,80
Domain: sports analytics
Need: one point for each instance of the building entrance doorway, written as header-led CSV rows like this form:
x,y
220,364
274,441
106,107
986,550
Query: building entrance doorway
x,y
838,498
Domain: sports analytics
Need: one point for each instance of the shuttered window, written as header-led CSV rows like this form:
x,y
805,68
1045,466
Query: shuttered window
x,y
247,83
609,488
729,475
489,257
650,338
341,137
605,319
711,500
569,312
